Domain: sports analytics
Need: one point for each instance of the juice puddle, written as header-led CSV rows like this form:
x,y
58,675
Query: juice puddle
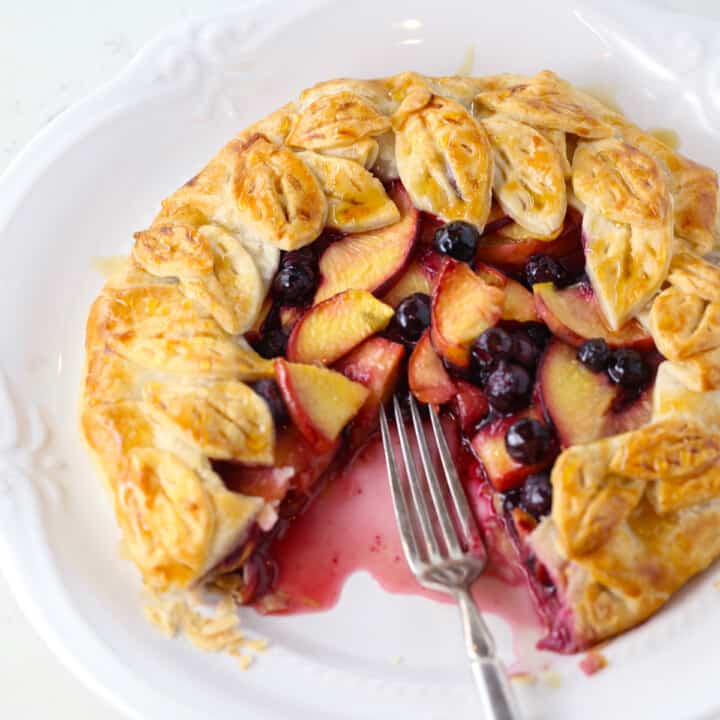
x,y
351,527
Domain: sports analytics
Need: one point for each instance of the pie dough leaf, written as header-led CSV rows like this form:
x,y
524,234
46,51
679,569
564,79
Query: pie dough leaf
x,y
529,182
445,161
668,496
276,194
168,250
356,200
234,291
673,450
363,151
620,182
167,517
626,264
695,276
545,101
214,269
223,420
589,502
684,325
336,119
694,189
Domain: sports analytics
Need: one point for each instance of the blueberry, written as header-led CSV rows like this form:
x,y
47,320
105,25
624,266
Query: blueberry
x,y
295,281
627,368
272,344
524,351
494,343
536,498
269,391
538,332
412,316
527,441
457,239
543,268
594,354
481,366
508,387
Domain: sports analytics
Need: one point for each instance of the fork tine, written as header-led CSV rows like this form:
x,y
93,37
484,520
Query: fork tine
x,y
447,528
426,529
402,514
457,492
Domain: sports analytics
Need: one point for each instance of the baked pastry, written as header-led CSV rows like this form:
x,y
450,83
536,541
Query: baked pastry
x,y
520,254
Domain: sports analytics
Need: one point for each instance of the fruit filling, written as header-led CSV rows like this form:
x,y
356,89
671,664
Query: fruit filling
x,y
505,335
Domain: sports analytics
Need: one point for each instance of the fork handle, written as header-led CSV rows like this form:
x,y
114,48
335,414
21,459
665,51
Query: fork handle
x,y
497,699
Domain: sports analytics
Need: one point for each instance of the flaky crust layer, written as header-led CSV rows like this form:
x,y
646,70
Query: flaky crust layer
x,y
166,388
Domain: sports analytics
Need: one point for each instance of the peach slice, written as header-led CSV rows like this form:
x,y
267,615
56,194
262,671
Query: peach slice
x,y
577,400
470,405
463,305
331,329
321,402
376,364
370,260
574,316
519,304
489,447
511,254
427,377
585,406
415,279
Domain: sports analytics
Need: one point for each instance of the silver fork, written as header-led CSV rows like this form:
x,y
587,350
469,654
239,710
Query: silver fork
x,y
438,553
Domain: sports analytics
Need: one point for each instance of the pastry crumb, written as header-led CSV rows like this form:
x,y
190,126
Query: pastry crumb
x,y
551,678
593,662
213,629
523,678
244,661
717,584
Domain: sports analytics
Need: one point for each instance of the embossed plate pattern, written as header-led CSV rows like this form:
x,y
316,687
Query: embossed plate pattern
x,y
97,173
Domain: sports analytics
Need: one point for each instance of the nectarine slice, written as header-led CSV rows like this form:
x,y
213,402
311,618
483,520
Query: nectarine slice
x,y
501,470
577,400
331,329
519,304
369,260
321,402
427,377
376,364
463,305
470,404
574,316
414,279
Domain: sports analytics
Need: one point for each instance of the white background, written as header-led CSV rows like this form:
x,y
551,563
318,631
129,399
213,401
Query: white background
x,y
52,54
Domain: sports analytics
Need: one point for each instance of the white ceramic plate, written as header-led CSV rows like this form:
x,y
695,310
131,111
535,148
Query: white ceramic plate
x,y
98,172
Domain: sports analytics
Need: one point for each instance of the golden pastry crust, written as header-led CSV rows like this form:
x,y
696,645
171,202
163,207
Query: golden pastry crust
x,y
357,200
529,181
626,264
546,101
335,120
620,182
444,160
166,387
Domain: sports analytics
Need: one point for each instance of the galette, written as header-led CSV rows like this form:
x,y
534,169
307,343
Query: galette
x,y
506,248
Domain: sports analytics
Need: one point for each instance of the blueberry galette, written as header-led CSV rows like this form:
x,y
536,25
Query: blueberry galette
x,y
507,248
